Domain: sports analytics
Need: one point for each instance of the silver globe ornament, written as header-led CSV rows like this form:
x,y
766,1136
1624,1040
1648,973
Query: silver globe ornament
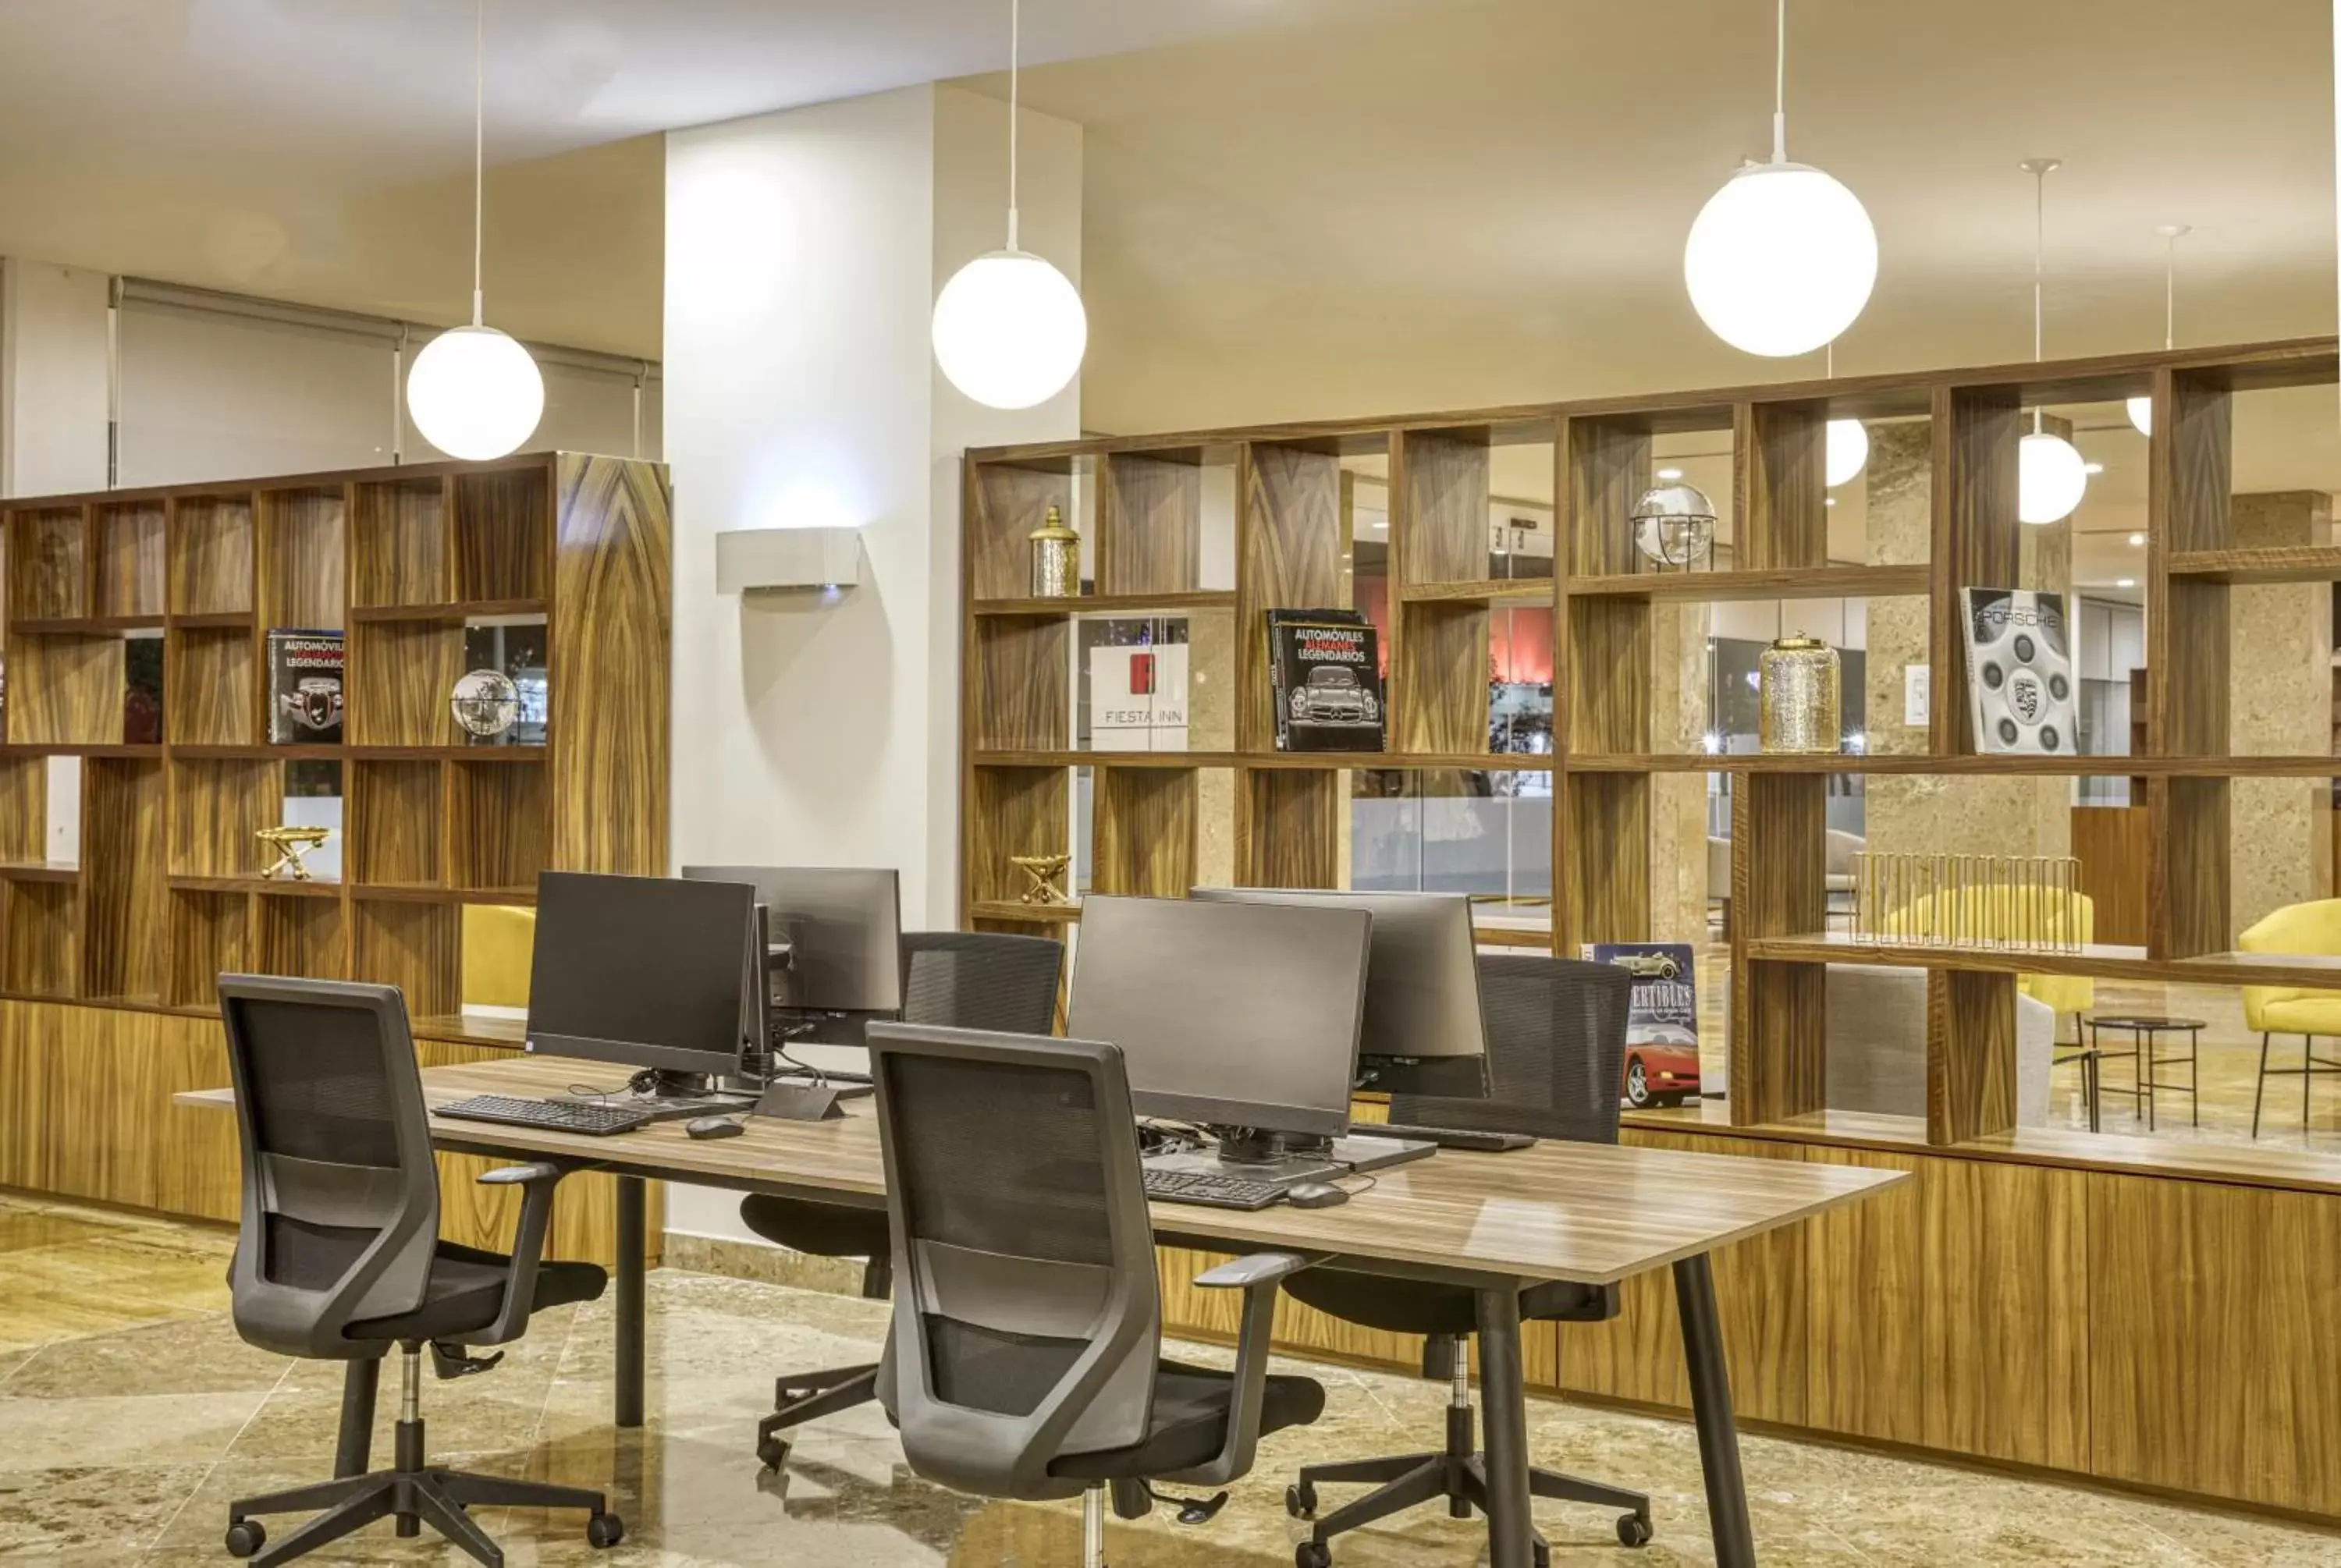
x,y
1674,525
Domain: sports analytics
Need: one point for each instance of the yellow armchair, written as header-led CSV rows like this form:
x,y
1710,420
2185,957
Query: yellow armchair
x,y
1998,913
2270,1010
499,945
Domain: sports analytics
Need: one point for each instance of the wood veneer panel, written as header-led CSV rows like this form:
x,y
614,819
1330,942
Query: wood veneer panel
x,y
303,556
1009,503
612,645
1288,833
210,686
23,809
1604,833
37,933
217,806
1439,680
2188,671
123,910
299,935
1779,468
1013,811
64,687
503,534
2006,1313
1607,468
1443,485
129,558
2115,846
2191,468
1143,831
2189,907
398,681
498,824
1977,541
2213,1341
418,947
395,813
1970,1055
1150,533
399,545
1779,1041
210,935
1866,1287
1022,701
210,556
1289,551
48,565
1607,693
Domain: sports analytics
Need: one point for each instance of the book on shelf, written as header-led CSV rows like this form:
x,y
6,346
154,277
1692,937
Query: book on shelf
x,y
2021,691
1138,686
1325,677
305,671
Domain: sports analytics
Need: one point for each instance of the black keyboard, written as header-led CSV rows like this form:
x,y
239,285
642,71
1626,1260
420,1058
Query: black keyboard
x,y
1210,1191
553,1115
1448,1137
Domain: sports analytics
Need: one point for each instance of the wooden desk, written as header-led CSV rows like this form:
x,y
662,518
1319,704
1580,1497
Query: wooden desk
x,y
1494,1224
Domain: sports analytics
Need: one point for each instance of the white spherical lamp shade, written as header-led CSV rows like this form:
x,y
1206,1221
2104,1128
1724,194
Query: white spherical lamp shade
x,y
474,393
1781,260
1848,450
2141,414
1010,330
2049,477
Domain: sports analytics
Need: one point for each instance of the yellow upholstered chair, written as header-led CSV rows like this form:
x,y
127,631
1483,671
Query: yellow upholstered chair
x,y
1993,913
499,944
2312,928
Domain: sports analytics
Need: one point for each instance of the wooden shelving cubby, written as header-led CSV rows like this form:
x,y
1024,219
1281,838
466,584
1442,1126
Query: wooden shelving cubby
x,y
130,581
396,813
399,549
303,558
208,547
498,824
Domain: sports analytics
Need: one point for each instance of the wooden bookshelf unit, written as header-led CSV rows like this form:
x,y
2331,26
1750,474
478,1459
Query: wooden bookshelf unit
x,y
2024,1302
107,1001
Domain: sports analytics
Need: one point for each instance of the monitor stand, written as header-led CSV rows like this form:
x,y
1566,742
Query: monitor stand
x,y
1254,1156
677,1097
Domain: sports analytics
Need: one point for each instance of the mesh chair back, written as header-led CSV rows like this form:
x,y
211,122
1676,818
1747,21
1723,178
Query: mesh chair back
x,y
981,980
1026,1322
1556,1052
341,1199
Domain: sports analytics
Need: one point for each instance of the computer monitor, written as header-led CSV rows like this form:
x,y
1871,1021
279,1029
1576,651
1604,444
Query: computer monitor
x,y
843,929
644,971
1230,1015
1423,1032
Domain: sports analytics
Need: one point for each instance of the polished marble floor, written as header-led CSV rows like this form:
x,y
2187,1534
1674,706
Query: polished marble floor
x,y
130,1413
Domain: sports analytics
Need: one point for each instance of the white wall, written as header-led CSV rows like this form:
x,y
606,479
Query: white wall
x,y
804,251
53,392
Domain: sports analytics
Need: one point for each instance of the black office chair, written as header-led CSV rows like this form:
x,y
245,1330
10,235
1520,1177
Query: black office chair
x,y
1025,1358
338,1258
962,980
1556,1048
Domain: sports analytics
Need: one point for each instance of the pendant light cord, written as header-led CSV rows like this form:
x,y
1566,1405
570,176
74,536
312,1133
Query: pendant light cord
x,y
479,152
1780,87
1015,52
2039,250
2170,289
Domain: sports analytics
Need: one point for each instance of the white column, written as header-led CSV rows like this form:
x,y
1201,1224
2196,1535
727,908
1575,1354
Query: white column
x,y
52,379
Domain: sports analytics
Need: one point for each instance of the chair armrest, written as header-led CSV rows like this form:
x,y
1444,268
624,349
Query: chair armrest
x,y
1258,1276
536,1182
1258,1268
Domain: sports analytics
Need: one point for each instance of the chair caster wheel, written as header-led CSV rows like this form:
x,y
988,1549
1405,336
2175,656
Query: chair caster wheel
x,y
1312,1554
773,1452
1633,1530
1300,1501
606,1530
1543,1554
245,1537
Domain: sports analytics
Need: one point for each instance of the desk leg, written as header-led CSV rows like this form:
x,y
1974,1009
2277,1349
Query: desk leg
x,y
1710,1402
1503,1406
633,1240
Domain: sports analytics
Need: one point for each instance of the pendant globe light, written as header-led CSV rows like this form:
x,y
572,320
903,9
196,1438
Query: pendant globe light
x,y
1846,442
2141,409
2050,476
1782,258
1010,330
475,393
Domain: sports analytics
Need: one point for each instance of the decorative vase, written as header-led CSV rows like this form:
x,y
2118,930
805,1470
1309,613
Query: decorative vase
x,y
1796,692
1674,525
1056,558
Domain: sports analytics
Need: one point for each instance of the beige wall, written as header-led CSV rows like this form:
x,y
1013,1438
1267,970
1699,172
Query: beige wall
x,y
2280,653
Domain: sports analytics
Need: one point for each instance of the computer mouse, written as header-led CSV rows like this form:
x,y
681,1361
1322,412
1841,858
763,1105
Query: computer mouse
x,y
1315,1195
714,1127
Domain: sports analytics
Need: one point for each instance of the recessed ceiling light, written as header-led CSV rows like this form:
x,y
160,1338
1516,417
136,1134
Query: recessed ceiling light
x,y
2093,468
2124,582
1670,474
2138,541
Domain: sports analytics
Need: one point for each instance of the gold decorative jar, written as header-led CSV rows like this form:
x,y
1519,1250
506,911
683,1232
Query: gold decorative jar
x,y
1797,693
1056,558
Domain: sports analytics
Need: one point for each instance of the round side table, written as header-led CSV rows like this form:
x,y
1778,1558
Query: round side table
x,y
2148,1060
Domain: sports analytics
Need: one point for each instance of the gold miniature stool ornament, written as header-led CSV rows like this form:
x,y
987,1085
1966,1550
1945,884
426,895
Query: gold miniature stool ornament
x,y
1041,873
291,844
